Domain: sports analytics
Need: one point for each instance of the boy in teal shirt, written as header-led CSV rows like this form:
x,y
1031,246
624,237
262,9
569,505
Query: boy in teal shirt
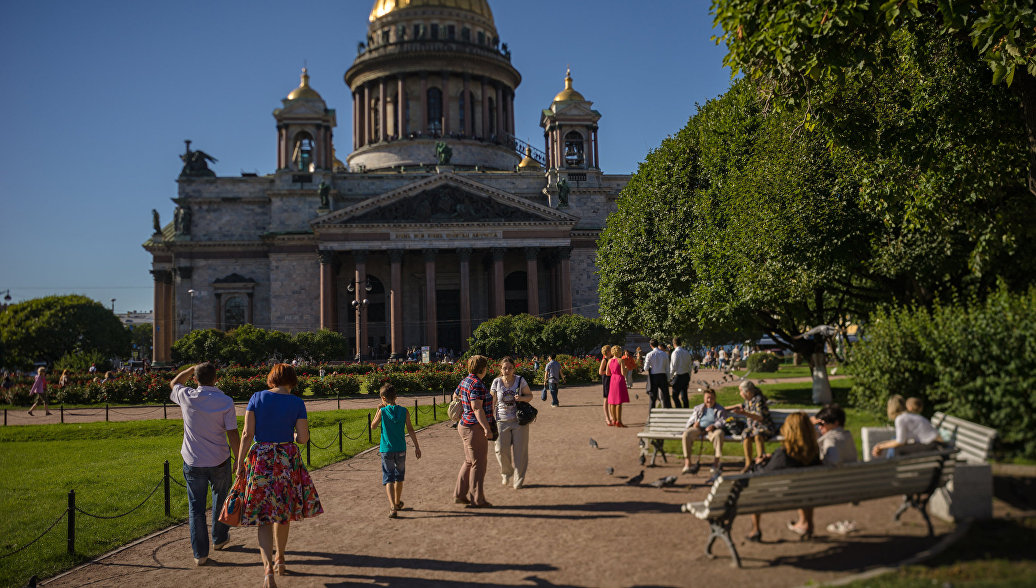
x,y
392,417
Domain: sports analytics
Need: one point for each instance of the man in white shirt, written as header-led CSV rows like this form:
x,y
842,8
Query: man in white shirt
x,y
209,423
680,365
656,364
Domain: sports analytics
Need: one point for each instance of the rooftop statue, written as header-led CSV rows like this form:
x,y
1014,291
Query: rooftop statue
x,y
155,222
443,153
324,190
195,163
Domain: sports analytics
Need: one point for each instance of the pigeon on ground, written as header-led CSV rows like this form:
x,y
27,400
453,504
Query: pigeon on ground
x,y
643,459
636,480
636,396
593,443
610,471
666,481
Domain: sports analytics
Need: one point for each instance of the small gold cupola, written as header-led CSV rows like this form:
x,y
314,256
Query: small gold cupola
x,y
528,163
304,91
568,93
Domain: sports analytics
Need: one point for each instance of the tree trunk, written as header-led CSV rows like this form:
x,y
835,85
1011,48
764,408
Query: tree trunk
x,y
821,386
1025,86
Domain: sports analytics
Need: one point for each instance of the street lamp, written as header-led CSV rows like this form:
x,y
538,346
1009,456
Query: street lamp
x,y
113,305
359,305
192,292
7,295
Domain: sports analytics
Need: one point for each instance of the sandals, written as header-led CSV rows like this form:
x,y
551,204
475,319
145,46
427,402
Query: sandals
x,y
842,527
278,568
804,534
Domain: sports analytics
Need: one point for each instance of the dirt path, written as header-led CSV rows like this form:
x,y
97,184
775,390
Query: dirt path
x,y
572,525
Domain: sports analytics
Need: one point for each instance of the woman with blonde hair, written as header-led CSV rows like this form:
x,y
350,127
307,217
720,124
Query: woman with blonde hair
x,y
606,354
799,449
279,489
914,433
39,390
618,394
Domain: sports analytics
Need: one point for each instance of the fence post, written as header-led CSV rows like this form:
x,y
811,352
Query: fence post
x,y
106,412
339,436
5,417
338,396
417,417
62,413
165,480
307,451
164,415
370,436
434,418
71,521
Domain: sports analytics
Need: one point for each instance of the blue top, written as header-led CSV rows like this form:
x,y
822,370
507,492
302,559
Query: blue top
x,y
275,416
708,417
393,428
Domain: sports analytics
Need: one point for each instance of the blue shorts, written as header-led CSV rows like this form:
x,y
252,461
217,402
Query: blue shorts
x,y
393,466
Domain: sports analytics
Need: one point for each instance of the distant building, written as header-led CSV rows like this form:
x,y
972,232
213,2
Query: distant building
x,y
441,219
137,317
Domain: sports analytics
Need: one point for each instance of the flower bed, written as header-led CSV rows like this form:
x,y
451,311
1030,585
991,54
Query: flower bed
x,y
240,382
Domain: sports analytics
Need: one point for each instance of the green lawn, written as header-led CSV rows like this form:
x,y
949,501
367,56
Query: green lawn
x,y
112,467
993,553
785,371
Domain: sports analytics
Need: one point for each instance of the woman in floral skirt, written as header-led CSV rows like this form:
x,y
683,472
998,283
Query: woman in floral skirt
x,y
278,489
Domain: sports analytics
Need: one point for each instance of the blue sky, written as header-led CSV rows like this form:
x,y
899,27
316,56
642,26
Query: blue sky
x,y
99,96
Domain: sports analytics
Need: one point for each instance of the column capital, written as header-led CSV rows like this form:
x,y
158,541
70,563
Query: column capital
x,y
396,255
498,253
531,253
464,253
162,276
326,257
429,254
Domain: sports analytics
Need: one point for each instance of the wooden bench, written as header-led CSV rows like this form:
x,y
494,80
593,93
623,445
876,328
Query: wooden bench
x,y
916,476
670,423
974,441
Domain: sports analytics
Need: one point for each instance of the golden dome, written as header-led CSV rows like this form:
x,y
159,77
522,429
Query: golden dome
x,y
384,7
304,91
568,93
528,162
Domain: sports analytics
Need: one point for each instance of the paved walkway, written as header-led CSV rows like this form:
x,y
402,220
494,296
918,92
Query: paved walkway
x,y
573,524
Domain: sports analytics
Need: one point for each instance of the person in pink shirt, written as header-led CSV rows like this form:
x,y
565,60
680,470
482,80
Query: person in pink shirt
x,y
39,389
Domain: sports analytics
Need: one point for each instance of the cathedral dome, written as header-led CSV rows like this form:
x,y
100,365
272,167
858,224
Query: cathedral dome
x,y
385,7
304,91
568,94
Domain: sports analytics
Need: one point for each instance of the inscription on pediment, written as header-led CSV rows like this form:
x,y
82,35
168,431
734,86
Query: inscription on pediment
x,y
445,203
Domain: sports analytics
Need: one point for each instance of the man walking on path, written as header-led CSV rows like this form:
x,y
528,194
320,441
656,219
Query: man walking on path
x,y
680,366
209,423
551,377
657,365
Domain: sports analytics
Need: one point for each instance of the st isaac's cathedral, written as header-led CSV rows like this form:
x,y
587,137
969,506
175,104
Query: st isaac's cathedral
x,y
438,219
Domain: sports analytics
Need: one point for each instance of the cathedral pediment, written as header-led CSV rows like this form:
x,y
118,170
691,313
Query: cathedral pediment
x,y
445,198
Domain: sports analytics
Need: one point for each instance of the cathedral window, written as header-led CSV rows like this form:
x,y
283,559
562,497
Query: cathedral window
x,y
385,36
234,310
302,155
400,32
434,110
574,150
418,31
375,118
435,30
465,34
481,38
451,32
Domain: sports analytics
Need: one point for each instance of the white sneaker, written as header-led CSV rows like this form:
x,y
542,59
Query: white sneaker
x,y
220,546
505,480
200,561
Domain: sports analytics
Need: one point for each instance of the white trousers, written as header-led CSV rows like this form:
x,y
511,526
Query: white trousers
x,y
512,450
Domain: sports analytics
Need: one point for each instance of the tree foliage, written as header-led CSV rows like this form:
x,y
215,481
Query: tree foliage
x,y
524,335
250,345
973,358
45,329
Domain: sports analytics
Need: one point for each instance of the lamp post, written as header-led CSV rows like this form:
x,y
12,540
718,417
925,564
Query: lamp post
x,y
192,292
113,305
359,305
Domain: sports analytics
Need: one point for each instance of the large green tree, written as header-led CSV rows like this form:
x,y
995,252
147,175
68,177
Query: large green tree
x,y
45,329
796,46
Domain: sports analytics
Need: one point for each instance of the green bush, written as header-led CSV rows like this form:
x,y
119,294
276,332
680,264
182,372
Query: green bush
x,y
763,362
525,336
81,362
975,360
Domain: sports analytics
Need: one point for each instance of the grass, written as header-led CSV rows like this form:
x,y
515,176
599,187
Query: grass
x,y
792,395
784,371
112,467
993,553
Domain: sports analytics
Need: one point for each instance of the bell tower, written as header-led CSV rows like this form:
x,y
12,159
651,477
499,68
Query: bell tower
x,y
570,132
304,137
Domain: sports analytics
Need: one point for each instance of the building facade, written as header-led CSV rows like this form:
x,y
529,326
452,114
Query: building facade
x,y
440,220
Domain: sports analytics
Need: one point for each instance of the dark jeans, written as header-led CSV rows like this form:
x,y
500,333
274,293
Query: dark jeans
x,y
680,391
198,482
553,388
659,387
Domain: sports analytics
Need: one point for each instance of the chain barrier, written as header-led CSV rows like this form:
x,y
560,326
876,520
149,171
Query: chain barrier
x,y
159,485
49,529
328,446
147,410
353,438
180,484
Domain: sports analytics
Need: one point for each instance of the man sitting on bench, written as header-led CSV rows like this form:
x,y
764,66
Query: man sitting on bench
x,y
706,422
